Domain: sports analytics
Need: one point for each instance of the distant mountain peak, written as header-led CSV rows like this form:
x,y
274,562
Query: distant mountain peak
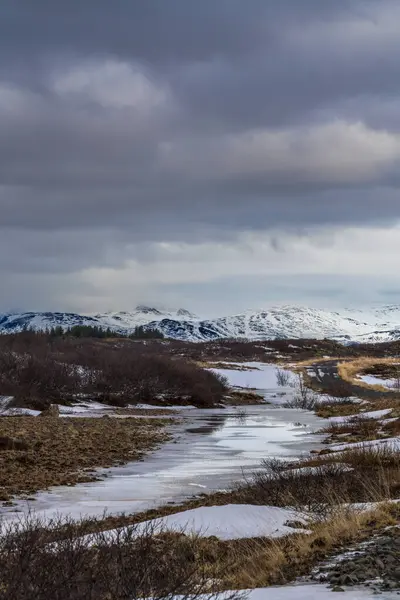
x,y
148,309
182,312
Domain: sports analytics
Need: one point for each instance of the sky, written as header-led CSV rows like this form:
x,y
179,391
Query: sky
x,y
217,155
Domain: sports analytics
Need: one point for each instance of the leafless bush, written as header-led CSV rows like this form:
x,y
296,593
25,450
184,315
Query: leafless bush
x,y
52,371
135,563
241,415
304,398
283,377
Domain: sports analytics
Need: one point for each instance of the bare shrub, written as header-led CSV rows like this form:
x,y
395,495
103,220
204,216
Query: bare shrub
x,y
47,370
283,378
241,415
135,563
304,398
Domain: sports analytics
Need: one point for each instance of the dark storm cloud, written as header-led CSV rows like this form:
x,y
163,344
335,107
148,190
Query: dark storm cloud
x,y
134,122
154,30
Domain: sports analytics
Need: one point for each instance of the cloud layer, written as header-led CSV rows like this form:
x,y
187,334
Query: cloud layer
x,y
164,151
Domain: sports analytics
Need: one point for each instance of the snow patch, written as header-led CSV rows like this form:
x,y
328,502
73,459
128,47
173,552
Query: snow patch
x,y
229,522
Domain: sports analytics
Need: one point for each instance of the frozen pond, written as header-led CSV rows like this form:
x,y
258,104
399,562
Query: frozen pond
x,y
211,450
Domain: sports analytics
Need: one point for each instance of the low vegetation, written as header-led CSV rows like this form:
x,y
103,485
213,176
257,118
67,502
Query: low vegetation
x,y
40,370
385,368
138,565
36,453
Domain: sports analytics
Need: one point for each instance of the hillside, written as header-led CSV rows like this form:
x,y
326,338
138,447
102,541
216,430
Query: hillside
x,y
286,322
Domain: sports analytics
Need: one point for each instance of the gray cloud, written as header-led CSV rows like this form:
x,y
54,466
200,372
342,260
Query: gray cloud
x,y
155,122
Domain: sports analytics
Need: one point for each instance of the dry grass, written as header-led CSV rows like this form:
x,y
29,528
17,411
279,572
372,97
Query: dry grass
x,y
392,428
232,366
349,408
301,365
338,409
356,429
259,563
385,402
243,397
348,370
62,451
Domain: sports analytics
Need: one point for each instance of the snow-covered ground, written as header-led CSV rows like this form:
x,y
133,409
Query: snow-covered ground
x,y
372,380
311,592
373,414
255,375
390,443
228,522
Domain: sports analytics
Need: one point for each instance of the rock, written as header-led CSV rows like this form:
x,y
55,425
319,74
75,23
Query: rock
x,y
52,412
295,524
337,588
12,443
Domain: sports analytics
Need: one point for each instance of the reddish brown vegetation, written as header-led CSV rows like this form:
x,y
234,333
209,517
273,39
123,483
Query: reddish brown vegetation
x,y
38,370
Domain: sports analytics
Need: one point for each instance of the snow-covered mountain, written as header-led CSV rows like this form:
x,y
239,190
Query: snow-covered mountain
x,y
378,324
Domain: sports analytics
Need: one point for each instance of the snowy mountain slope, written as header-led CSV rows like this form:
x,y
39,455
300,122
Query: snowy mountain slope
x,y
142,315
378,324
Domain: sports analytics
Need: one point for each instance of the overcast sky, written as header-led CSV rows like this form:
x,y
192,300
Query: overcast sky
x,y
216,154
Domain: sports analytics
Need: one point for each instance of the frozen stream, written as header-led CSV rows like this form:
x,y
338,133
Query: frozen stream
x,y
211,450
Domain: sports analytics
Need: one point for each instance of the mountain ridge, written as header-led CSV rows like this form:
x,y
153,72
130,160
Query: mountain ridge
x,y
287,321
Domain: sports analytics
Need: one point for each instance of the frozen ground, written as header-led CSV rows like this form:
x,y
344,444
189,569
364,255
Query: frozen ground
x,y
257,375
312,592
371,380
229,522
211,450
390,443
373,414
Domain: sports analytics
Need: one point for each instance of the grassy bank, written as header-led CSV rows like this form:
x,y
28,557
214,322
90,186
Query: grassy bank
x,y
36,453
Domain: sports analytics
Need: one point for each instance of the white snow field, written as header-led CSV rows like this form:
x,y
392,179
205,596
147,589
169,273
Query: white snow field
x,y
310,592
228,522
255,375
372,380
